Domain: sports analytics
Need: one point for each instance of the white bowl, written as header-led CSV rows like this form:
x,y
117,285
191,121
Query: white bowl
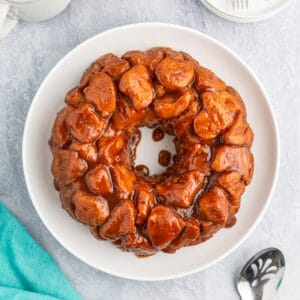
x,y
37,157
256,11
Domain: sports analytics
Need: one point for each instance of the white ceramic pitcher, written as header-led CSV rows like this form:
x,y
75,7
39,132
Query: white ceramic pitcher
x,y
27,10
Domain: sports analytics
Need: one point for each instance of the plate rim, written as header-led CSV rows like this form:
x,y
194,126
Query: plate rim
x,y
276,151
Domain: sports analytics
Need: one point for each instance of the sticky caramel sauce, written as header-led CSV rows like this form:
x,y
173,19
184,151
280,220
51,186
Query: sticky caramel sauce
x,y
164,158
142,170
158,134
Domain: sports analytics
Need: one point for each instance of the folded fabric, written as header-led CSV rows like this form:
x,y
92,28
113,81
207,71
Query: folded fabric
x,y
26,270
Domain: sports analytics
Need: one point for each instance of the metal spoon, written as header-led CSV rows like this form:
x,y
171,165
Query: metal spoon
x,y
262,275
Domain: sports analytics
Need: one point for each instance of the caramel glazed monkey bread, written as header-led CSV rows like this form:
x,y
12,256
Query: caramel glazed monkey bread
x,y
95,136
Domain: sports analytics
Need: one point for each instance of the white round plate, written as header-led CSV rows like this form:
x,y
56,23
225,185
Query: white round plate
x,y
37,157
257,10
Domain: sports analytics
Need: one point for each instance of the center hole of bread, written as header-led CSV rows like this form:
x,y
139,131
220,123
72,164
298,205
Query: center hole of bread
x,y
153,153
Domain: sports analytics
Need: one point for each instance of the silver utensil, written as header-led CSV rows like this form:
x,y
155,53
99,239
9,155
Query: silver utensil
x,y
240,4
262,275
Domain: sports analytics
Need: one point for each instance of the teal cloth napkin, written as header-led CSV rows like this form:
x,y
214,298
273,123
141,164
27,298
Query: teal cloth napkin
x,y
27,272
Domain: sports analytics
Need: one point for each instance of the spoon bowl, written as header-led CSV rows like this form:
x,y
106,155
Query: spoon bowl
x,y
262,275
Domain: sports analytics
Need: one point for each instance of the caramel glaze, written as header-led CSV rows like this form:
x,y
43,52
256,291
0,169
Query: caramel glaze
x,y
164,158
231,222
158,134
142,170
129,182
